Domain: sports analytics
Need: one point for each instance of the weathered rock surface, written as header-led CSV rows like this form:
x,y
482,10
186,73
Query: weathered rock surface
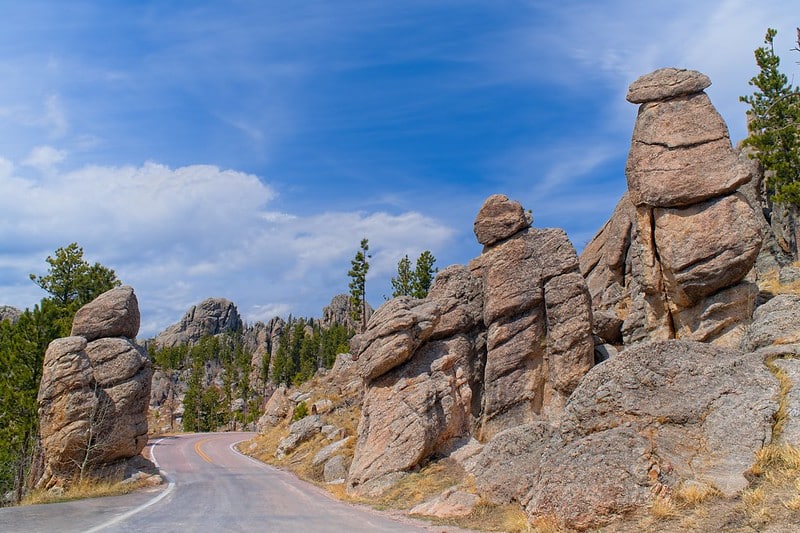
x,y
335,469
418,407
210,317
94,395
495,345
499,218
666,83
299,432
671,261
277,409
114,313
450,503
776,322
329,451
508,465
648,419
537,313
66,402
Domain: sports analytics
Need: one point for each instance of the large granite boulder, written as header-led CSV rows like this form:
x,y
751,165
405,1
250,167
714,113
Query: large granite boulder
x,y
210,317
649,419
114,313
537,314
94,396
428,391
672,260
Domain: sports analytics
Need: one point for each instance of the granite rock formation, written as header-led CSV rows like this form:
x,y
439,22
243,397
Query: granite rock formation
x,y
643,423
672,260
94,394
497,344
210,317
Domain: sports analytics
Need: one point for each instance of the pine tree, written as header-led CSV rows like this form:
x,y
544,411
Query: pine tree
x,y
358,285
774,118
423,274
403,283
417,282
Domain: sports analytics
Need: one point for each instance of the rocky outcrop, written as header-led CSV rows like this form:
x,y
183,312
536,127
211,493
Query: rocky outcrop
x,y
338,312
210,317
410,410
537,316
93,396
9,313
494,345
672,260
777,322
653,417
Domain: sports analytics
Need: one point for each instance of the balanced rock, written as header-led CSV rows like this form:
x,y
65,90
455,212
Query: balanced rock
x,y
94,396
537,313
498,219
666,83
114,313
672,260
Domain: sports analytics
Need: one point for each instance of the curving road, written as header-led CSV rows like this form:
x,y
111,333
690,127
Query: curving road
x,y
212,488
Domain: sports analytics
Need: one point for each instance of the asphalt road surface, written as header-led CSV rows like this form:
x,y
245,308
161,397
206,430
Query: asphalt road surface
x,y
212,487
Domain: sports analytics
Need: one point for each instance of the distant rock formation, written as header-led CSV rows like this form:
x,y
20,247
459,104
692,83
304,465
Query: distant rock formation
x,y
210,317
338,312
94,393
494,345
672,260
9,313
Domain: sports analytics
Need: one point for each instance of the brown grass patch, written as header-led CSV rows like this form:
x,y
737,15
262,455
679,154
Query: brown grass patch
x,y
88,488
417,487
693,494
662,508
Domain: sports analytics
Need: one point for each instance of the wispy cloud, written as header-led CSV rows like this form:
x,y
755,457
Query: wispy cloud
x,y
180,235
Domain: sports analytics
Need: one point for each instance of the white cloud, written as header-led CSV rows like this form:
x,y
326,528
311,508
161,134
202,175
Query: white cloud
x,y
185,234
44,158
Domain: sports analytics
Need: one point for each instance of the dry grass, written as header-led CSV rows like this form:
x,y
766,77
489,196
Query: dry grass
x,y
770,284
777,462
693,494
419,486
785,384
662,508
87,488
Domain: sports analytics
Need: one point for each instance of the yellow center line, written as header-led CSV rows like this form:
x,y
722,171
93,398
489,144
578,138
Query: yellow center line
x,y
200,452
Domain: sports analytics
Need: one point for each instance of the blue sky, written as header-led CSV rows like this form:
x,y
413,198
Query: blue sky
x,y
242,149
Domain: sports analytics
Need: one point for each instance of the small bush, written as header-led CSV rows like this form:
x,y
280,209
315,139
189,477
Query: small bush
x,y
300,412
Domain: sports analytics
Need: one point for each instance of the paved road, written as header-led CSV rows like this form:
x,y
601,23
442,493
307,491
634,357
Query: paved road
x,y
212,488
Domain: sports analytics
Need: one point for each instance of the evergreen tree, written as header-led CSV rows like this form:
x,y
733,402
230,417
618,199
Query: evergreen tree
x,y
358,285
417,282
402,285
71,279
423,274
774,118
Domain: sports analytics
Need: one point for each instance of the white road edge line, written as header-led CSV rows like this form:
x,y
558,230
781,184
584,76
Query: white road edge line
x,y
145,505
